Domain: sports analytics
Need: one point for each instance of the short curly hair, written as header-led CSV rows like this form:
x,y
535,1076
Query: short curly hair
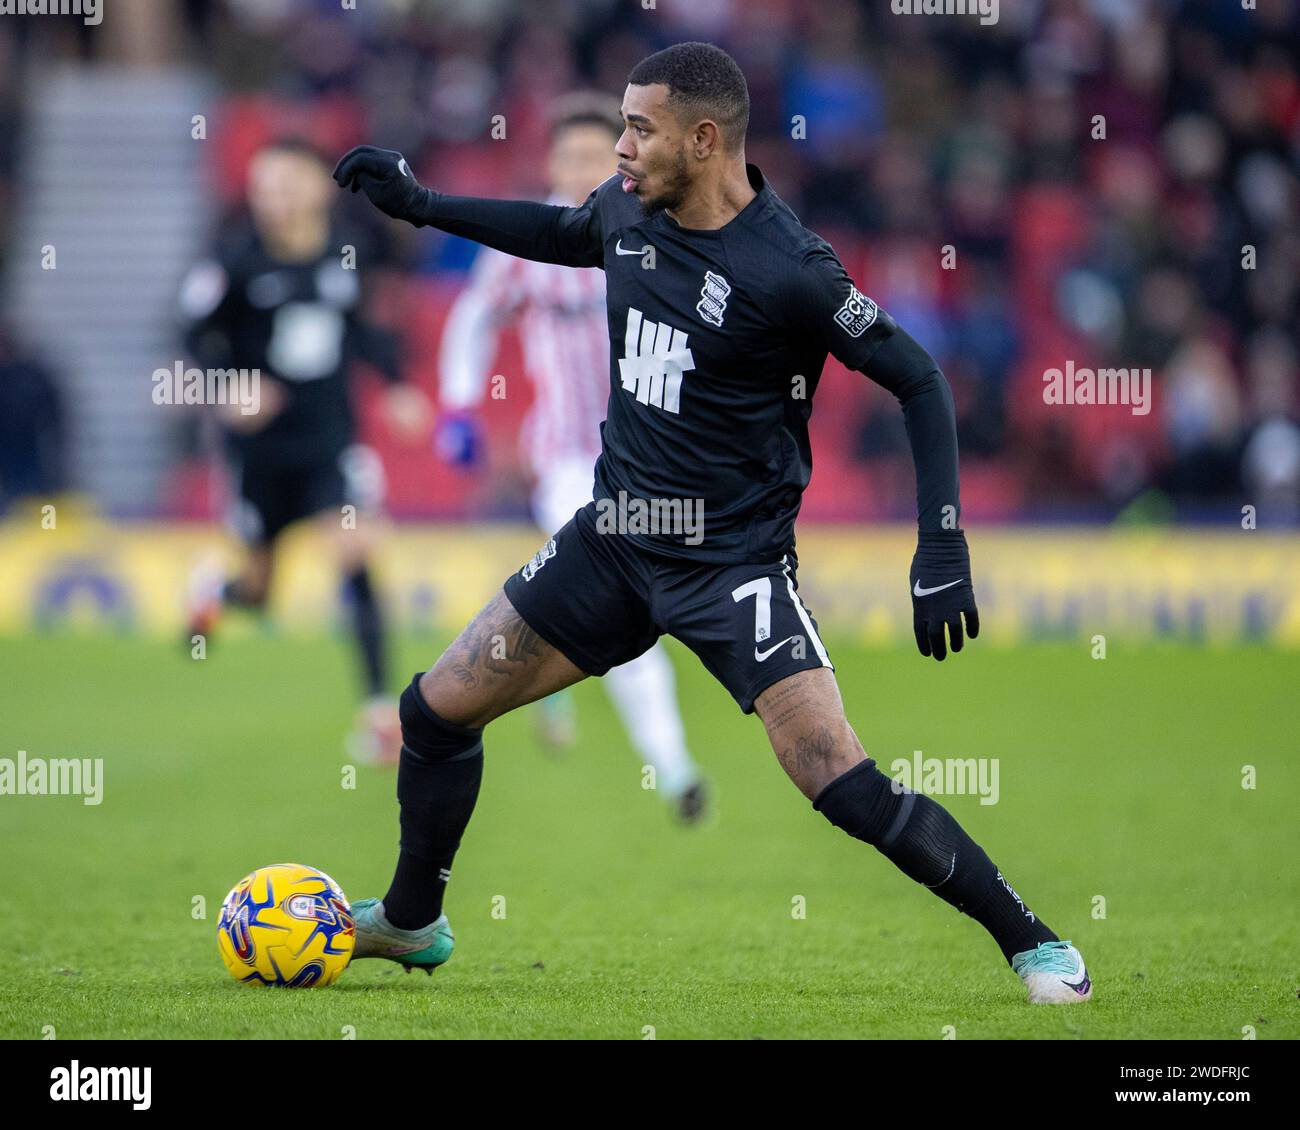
x,y
703,82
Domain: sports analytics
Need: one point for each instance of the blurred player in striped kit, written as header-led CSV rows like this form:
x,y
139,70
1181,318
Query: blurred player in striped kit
x,y
565,339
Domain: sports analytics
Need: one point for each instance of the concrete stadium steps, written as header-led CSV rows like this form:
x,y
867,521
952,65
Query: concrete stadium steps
x,y
110,177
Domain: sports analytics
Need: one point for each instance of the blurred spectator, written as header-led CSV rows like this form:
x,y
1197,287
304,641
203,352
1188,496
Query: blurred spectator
x,y
1271,461
31,427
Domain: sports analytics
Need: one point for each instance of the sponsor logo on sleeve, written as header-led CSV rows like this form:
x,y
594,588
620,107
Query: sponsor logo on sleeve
x,y
857,314
540,558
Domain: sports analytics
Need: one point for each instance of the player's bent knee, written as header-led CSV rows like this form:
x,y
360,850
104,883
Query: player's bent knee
x,y
430,737
864,803
470,704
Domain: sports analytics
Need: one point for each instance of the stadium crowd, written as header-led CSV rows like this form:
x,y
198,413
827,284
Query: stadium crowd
x,y
1106,182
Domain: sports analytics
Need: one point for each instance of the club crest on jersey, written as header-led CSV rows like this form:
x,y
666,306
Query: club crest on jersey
x,y
857,314
540,558
713,298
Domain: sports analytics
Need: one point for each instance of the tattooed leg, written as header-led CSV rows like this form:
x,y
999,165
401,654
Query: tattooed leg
x,y
805,723
496,664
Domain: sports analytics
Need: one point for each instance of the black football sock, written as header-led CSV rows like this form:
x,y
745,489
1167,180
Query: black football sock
x,y
922,840
437,801
438,780
368,627
1013,925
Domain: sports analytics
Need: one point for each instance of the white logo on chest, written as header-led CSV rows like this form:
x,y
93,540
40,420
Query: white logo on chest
x,y
655,359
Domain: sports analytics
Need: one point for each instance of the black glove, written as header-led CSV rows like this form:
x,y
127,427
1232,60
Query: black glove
x,y
386,178
941,592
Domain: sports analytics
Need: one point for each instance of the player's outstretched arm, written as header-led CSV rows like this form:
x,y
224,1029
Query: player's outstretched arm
x,y
820,298
547,233
940,577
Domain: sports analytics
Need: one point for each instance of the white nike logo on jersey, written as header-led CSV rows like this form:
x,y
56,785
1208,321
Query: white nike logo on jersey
x,y
762,655
618,247
917,590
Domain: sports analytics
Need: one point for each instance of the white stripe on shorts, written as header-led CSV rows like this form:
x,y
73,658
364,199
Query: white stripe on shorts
x,y
803,615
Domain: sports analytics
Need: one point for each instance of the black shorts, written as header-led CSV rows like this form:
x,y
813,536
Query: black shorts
x,y
272,496
602,601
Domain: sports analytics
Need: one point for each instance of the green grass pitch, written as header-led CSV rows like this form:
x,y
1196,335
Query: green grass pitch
x,y
1120,780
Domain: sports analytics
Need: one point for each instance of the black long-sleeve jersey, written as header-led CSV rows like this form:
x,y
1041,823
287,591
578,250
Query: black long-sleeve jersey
x,y
718,339
300,324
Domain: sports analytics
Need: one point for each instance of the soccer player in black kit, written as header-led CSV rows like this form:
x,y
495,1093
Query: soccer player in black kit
x,y
722,309
281,294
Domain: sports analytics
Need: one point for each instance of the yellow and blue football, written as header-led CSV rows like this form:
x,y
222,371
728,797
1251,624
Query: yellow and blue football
x,y
286,925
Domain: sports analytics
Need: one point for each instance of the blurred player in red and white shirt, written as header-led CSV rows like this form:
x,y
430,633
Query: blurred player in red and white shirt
x,y
565,340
